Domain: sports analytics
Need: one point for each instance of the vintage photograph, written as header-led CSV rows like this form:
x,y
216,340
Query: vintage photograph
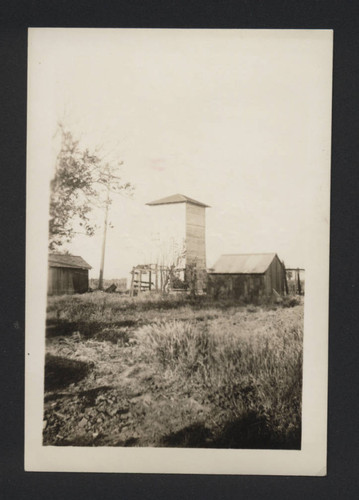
x,y
185,199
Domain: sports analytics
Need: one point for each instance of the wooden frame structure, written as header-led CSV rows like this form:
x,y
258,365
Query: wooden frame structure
x,y
153,278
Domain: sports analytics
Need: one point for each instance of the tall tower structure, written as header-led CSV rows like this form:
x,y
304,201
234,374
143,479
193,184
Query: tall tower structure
x,y
185,218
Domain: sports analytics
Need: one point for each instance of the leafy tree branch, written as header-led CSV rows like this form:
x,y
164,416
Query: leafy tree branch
x,y
81,182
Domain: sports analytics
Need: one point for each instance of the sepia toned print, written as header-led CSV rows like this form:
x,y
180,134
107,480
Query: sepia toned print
x,y
183,248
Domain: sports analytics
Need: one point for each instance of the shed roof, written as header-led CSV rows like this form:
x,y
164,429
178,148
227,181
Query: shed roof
x,y
176,198
248,263
72,261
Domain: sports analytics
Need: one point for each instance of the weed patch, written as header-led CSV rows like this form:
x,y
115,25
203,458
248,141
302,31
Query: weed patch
x,y
246,379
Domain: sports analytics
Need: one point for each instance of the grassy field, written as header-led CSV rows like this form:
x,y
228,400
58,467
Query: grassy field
x,y
172,371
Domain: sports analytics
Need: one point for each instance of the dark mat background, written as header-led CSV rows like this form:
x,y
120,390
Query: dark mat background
x,y
343,437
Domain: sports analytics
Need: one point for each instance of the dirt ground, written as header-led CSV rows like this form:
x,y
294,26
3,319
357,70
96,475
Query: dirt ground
x,y
103,388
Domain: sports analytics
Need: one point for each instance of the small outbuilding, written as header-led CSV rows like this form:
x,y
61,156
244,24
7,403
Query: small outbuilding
x,y
67,274
248,277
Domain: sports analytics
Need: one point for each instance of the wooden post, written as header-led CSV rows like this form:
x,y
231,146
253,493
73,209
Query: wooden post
x,y
285,279
132,282
149,279
156,282
299,285
140,282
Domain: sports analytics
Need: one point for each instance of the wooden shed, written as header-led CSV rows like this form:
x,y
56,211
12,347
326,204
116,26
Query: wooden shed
x,y
248,277
67,274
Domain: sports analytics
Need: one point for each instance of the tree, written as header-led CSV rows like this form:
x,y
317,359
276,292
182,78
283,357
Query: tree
x,y
81,182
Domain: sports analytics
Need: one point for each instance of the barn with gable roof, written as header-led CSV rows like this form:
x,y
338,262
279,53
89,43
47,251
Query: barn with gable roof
x,y
247,276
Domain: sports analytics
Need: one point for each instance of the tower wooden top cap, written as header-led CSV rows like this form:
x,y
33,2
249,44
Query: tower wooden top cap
x,y
176,198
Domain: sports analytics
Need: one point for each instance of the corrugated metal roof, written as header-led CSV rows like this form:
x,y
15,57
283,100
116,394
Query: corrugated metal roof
x,y
73,261
176,198
250,263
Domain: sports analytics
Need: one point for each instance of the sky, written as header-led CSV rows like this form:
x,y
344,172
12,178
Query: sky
x,y
237,119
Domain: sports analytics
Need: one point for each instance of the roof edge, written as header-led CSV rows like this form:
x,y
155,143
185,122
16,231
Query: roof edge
x,y
184,199
249,253
71,265
231,274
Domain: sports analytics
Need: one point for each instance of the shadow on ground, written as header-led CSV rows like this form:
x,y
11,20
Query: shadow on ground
x,y
89,396
63,328
61,372
193,436
243,433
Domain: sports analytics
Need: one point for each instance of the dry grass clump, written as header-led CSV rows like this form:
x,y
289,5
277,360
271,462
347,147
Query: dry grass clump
x,y
260,379
254,382
179,346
